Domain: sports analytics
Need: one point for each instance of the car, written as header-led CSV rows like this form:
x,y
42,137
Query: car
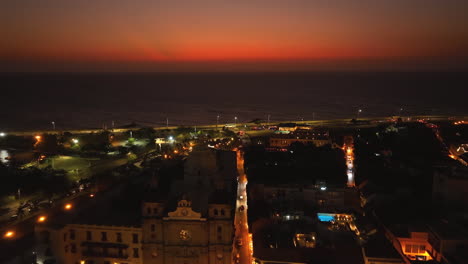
x,y
13,218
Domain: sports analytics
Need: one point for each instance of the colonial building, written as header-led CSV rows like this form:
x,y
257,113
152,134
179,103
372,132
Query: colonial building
x,y
185,236
182,236
190,224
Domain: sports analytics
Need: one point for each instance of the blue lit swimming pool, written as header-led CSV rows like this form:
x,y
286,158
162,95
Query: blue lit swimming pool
x,y
325,217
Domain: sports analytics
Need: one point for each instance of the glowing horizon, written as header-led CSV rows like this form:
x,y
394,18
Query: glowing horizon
x,y
306,34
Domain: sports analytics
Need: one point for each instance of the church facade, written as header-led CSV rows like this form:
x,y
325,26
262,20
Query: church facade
x,y
182,236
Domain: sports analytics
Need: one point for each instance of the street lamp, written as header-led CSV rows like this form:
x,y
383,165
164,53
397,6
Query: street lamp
x,y
2,134
75,141
53,125
235,120
358,112
217,121
9,234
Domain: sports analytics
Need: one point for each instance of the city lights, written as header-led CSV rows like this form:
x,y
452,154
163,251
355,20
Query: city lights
x,y
41,219
9,234
68,206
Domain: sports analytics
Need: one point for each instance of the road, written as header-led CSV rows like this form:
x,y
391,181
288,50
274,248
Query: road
x,y
22,238
348,149
330,123
242,245
451,152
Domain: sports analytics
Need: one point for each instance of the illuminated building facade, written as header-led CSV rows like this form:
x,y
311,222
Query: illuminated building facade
x,y
181,236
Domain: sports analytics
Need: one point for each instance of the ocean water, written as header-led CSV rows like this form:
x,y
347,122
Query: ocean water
x,y
89,100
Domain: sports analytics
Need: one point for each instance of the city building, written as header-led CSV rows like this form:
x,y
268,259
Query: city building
x,y
410,241
450,186
448,243
192,224
378,250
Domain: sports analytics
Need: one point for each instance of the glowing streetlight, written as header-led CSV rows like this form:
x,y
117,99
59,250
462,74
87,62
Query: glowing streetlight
x,y
38,138
53,125
75,141
68,206
41,219
358,112
9,234
217,121
235,120
2,134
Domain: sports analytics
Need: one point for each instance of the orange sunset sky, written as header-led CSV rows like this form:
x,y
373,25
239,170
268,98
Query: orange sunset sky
x,y
240,35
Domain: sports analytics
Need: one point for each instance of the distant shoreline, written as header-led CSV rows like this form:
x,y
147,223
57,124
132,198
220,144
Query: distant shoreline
x,y
325,122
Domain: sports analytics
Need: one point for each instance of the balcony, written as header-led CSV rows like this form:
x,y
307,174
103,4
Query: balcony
x,y
100,254
104,250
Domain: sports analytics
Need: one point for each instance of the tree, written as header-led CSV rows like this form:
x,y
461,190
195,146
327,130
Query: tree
x,y
48,144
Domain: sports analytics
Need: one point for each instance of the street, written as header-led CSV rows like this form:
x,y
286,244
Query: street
x,y
242,244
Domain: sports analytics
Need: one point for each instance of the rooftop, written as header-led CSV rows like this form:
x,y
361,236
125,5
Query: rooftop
x,y
379,247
